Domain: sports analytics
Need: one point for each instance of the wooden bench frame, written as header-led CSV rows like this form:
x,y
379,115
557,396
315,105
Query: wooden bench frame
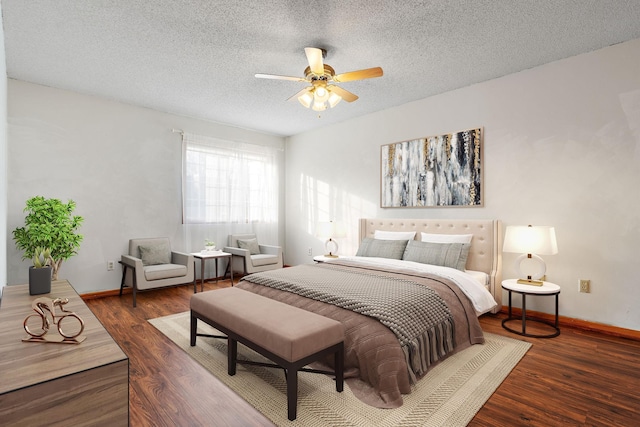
x,y
291,368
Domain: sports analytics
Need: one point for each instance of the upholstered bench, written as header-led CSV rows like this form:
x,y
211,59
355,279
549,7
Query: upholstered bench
x,y
289,336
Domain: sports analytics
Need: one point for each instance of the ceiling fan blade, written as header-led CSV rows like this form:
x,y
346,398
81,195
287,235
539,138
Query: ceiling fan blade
x,y
314,56
275,77
344,94
300,93
369,73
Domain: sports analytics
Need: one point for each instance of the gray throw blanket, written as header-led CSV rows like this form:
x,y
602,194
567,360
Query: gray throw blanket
x,y
415,313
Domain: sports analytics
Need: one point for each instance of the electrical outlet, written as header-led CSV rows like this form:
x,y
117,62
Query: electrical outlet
x,y
110,265
585,285
310,252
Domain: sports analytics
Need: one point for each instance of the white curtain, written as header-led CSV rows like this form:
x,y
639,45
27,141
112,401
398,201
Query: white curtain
x,y
230,187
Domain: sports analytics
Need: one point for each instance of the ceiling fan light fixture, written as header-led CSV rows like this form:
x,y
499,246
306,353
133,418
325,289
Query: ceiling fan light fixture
x,y
306,99
319,106
321,94
334,99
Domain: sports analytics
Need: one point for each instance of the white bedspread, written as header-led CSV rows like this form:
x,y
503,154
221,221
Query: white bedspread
x,y
480,297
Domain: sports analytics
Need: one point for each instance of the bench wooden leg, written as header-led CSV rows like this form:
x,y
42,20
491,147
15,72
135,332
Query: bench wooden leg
x,y
292,393
339,368
232,356
194,329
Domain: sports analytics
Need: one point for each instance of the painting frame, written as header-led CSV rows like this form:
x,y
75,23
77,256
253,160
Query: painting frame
x,y
434,171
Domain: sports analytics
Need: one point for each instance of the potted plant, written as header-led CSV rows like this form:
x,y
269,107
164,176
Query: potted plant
x,y
40,272
209,245
49,224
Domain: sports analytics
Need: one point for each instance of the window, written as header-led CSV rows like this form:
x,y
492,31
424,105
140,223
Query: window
x,y
228,182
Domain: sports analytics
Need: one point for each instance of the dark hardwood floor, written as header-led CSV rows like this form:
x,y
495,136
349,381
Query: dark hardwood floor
x,y
580,378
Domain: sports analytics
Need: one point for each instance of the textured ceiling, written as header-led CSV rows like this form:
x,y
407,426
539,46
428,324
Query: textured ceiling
x,y
198,57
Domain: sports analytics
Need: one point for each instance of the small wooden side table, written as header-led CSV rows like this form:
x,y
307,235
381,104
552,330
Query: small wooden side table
x,y
215,255
547,288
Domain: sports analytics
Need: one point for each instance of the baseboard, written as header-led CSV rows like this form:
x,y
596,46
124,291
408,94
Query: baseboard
x,y
577,323
102,294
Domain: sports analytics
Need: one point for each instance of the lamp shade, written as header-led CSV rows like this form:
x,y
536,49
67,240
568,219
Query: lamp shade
x,y
318,106
324,229
305,99
330,229
540,240
334,99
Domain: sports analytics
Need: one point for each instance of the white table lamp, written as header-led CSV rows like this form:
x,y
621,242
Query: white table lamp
x,y
531,242
330,230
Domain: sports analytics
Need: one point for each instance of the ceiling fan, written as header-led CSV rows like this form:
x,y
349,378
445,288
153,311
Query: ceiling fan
x,y
322,78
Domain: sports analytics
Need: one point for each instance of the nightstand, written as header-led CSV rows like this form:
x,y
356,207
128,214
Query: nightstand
x,y
547,289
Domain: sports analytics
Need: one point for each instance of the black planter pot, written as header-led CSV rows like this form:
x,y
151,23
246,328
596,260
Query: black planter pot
x,y
39,280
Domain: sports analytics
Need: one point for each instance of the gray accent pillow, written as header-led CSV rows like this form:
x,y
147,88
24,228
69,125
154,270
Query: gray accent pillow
x,y
251,245
381,248
452,255
159,253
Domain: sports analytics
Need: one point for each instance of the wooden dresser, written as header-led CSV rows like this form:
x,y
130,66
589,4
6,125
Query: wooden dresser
x,y
59,384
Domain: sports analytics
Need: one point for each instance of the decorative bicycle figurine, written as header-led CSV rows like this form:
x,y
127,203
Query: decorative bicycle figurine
x,y
45,309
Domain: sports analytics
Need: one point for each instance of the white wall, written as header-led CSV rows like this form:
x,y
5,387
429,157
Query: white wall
x,y
122,166
3,161
561,148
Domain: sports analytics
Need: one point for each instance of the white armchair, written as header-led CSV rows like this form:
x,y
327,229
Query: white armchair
x,y
248,256
151,264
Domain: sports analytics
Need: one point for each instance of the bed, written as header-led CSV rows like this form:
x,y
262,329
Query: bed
x,y
385,355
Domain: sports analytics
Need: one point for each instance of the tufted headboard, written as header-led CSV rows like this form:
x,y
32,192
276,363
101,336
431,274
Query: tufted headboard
x,y
486,246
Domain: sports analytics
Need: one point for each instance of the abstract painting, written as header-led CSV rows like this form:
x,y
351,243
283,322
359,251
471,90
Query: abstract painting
x,y
436,171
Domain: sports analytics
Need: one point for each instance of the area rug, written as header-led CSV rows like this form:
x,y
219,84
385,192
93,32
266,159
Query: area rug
x,y
450,395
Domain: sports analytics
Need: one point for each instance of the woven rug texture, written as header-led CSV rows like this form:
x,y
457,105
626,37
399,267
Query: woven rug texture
x,y
449,395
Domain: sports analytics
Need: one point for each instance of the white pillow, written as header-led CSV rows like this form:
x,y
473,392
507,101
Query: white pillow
x,y
480,276
446,238
394,235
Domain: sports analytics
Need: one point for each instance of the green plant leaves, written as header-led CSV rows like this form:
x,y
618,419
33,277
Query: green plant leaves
x,y
50,224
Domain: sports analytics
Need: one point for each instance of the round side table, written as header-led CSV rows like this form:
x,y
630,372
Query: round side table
x,y
323,258
547,289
